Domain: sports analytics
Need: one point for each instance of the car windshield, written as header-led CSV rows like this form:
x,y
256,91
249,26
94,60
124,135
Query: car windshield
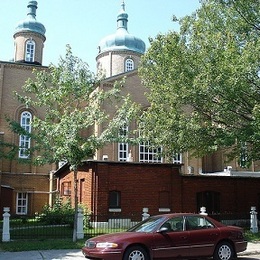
x,y
148,225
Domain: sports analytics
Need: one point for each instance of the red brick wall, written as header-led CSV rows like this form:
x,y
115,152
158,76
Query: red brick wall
x,y
237,194
140,185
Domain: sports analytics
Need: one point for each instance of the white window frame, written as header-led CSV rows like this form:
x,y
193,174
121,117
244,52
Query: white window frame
x,y
146,154
25,141
177,158
29,50
129,64
21,203
123,147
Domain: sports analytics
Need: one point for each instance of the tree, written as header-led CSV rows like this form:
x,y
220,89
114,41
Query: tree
x,y
73,100
203,82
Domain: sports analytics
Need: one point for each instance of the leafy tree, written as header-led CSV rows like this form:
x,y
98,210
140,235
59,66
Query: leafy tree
x,y
73,102
203,82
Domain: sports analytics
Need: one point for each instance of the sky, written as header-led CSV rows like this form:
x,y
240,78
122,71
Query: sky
x,y
83,23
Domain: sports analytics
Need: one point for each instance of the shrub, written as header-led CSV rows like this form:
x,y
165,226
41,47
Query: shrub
x,y
59,214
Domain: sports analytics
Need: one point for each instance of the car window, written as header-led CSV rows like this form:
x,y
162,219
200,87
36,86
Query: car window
x,y
197,222
174,224
146,226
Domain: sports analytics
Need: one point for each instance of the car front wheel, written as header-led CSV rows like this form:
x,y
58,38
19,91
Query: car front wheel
x,y
224,251
136,253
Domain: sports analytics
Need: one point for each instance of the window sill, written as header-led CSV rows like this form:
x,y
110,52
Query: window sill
x,y
114,210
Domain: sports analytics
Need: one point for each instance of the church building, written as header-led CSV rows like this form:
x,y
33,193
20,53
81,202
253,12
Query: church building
x,y
26,188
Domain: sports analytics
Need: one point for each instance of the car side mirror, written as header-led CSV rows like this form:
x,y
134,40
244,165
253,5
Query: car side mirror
x,y
163,230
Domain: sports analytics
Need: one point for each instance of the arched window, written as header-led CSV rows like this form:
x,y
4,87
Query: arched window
x,y
30,51
25,140
129,64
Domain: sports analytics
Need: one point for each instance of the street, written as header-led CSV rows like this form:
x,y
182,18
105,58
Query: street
x,y
70,254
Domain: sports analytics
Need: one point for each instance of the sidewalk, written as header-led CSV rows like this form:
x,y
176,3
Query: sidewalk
x,y
253,248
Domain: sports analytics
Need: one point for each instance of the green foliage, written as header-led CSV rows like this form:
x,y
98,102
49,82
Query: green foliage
x,y
252,237
73,103
60,213
204,82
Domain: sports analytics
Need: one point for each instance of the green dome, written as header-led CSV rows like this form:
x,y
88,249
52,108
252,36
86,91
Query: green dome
x,y
122,40
29,24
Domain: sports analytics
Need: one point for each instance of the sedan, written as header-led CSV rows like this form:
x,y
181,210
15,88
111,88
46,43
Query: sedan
x,y
177,235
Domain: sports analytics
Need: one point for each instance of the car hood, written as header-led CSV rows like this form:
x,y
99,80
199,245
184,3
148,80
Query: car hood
x,y
118,236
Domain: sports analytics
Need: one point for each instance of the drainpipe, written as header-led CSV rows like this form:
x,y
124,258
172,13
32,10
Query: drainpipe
x,y
51,189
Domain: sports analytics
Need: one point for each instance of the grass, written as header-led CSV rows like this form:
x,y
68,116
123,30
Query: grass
x,y
49,244
44,244
252,237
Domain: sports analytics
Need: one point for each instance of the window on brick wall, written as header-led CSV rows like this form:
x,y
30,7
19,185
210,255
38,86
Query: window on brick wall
x,y
210,200
25,140
123,147
164,201
114,199
129,64
81,190
66,188
21,203
30,51
147,154
177,158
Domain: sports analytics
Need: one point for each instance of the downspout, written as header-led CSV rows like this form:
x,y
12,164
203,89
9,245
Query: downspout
x,y
51,188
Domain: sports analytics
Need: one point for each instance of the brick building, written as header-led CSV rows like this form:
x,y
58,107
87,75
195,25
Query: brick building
x,y
122,189
26,188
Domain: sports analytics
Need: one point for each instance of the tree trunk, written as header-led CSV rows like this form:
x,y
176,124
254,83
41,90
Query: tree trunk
x,y
75,205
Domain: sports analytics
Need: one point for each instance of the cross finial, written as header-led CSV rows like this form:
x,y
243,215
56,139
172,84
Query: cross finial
x,y
123,5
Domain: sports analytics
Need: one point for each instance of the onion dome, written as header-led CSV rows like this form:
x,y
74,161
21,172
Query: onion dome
x,y
30,24
122,40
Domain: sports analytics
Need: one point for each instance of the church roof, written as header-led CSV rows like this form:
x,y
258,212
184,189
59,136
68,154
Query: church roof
x,y
30,24
122,40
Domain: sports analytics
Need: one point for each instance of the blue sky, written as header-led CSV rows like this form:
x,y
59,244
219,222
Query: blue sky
x,y
83,23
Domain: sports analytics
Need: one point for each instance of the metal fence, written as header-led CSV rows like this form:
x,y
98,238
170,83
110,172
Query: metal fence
x,y
62,226
31,227
233,219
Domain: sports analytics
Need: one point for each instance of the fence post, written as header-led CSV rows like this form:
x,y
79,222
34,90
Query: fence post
x,y
6,225
253,220
145,214
203,211
80,231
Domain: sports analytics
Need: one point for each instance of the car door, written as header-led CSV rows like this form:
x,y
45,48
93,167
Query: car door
x,y
173,242
202,236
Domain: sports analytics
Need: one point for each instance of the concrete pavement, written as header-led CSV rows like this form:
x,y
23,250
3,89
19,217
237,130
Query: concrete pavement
x,y
253,248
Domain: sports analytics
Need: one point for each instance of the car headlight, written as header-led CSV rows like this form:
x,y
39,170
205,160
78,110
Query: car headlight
x,y
106,245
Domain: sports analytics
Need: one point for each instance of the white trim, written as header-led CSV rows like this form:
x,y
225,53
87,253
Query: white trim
x,y
164,210
21,203
114,210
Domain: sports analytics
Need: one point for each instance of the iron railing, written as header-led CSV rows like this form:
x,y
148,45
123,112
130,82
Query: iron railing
x,y
33,228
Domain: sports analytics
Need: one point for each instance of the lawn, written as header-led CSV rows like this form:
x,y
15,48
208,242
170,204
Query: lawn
x,y
44,244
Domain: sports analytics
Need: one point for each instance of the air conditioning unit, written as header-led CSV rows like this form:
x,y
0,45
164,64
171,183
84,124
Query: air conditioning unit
x,y
105,157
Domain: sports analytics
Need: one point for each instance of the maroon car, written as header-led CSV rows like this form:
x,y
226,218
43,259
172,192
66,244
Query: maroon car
x,y
178,235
